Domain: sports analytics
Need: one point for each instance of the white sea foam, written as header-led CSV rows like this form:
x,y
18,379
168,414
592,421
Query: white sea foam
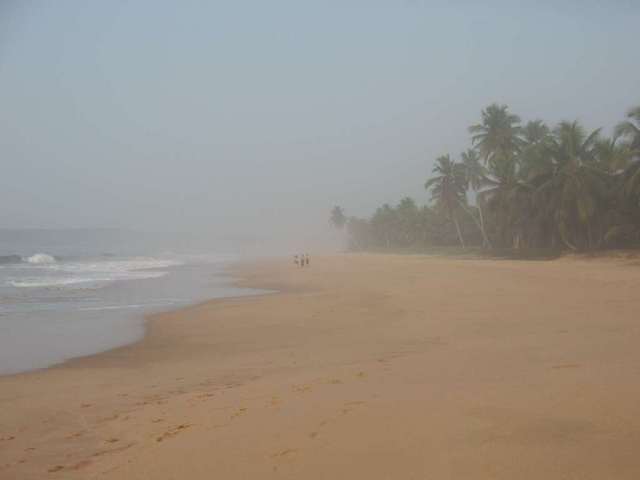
x,y
115,266
40,259
91,274
124,307
87,281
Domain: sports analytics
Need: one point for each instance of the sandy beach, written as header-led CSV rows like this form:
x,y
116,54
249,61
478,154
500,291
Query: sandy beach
x,y
362,366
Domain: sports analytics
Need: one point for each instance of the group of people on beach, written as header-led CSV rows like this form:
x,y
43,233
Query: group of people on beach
x,y
301,260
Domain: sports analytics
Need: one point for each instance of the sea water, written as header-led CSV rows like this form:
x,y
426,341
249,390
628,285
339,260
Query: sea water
x,y
79,294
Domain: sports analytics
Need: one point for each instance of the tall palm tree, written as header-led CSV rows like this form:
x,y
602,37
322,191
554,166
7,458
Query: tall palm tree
x,y
508,199
338,218
498,135
630,129
475,178
407,215
573,188
534,157
448,189
384,224
612,156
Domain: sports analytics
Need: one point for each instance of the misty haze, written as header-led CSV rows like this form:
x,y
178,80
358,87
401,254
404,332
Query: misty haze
x,y
313,240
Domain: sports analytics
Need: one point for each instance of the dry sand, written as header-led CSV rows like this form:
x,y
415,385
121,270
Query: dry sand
x,y
364,367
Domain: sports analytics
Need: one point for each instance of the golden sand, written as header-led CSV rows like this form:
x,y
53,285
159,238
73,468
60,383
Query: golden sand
x,y
363,367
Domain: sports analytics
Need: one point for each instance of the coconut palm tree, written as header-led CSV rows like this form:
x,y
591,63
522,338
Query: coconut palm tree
x,y
498,135
508,199
448,189
630,129
407,216
475,178
384,224
612,156
573,188
534,157
338,218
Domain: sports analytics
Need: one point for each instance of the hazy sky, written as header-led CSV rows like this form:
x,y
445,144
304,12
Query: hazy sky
x,y
243,116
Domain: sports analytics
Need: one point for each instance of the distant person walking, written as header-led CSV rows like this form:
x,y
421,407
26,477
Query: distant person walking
x,y
295,260
306,259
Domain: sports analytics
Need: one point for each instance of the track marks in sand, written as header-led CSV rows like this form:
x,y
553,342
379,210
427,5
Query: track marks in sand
x,y
87,461
284,453
302,388
239,412
172,432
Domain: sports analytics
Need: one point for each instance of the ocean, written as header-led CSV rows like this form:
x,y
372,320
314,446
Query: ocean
x,y
71,293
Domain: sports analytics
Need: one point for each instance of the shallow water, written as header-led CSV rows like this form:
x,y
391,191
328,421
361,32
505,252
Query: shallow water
x,y
54,306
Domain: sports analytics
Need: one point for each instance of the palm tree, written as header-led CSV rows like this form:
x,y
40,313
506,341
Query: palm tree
x,y
475,178
359,231
630,129
612,156
384,223
498,135
407,215
338,218
448,189
573,188
508,199
534,157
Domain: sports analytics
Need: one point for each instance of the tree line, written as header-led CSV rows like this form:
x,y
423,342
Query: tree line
x,y
534,187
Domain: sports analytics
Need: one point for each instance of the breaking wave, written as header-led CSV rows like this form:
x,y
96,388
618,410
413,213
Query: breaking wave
x,y
36,259
44,271
40,259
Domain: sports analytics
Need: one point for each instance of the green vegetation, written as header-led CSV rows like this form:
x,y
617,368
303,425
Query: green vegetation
x,y
535,189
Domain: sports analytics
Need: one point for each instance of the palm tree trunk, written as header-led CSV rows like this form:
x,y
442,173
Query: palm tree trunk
x,y
455,221
485,239
484,233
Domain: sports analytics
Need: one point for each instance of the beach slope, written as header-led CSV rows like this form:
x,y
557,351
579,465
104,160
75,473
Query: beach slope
x,y
362,366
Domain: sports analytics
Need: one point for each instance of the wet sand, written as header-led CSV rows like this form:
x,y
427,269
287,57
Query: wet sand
x,y
364,366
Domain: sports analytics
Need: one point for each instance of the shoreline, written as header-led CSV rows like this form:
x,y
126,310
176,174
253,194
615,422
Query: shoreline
x,y
146,320
362,366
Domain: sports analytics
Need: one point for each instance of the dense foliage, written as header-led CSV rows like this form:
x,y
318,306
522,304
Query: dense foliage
x,y
534,187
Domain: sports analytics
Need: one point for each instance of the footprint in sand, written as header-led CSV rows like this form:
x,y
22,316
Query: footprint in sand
x,y
56,468
100,453
239,412
313,435
334,381
79,465
172,432
284,453
112,440
302,388
206,395
361,375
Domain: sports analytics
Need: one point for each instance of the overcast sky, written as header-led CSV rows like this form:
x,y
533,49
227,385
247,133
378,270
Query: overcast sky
x,y
243,116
